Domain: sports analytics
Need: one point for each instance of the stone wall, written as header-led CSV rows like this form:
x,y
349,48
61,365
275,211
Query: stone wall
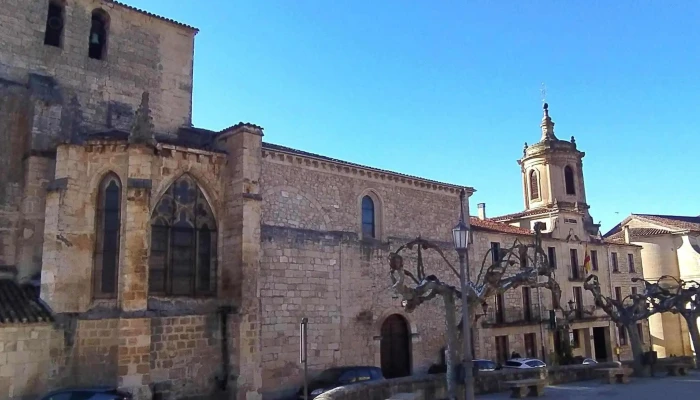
x,y
31,360
316,264
70,215
185,355
51,95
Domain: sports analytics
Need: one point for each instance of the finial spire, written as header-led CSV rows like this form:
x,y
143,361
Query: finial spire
x,y
547,125
142,129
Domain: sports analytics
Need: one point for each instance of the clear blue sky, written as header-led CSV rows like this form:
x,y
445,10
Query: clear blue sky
x,y
450,90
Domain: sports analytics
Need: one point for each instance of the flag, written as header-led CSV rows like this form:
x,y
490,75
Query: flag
x,y
587,262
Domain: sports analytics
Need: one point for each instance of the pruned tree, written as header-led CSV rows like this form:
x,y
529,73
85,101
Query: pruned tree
x,y
669,294
527,261
626,313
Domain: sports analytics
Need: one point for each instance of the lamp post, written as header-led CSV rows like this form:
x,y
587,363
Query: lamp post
x,y
460,236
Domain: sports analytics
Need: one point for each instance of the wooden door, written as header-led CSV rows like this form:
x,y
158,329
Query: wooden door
x,y
395,347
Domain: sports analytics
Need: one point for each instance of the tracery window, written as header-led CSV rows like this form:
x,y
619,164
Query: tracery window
x,y
183,243
107,236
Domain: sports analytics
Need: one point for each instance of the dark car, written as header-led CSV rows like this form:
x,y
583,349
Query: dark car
x,y
88,393
340,376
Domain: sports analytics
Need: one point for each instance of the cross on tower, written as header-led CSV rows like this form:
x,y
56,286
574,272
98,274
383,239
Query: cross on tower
x,y
543,92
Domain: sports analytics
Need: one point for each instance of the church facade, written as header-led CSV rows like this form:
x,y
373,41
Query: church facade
x,y
139,251
670,247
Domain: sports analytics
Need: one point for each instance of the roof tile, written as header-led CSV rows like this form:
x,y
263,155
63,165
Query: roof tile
x,y
499,227
673,221
150,14
20,304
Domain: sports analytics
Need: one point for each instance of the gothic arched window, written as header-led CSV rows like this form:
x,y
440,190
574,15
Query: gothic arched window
x,y
97,41
183,243
534,186
107,232
368,221
569,180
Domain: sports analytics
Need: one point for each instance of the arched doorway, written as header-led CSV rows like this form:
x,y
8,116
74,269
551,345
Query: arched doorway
x,y
395,347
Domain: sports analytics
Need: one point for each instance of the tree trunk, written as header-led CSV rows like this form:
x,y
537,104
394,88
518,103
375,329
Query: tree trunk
x,y
450,357
692,320
637,350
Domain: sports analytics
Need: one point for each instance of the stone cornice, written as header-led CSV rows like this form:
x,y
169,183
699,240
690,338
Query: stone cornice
x,y
164,150
357,171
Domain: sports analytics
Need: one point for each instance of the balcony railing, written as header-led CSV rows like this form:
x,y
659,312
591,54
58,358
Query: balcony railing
x,y
515,316
577,273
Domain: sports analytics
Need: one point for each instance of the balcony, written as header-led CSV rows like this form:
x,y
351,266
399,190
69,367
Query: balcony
x,y
577,273
514,316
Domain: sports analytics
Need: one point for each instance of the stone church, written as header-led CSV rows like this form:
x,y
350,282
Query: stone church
x,y
139,251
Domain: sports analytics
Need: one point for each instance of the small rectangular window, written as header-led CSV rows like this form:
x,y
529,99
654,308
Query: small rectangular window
x,y
552,256
530,345
623,335
502,349
594,260
577,338
616,267
630,261
634,291
495,252
618,293
576,272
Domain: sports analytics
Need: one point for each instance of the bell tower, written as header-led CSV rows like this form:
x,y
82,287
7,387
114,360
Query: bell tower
x,y
552,174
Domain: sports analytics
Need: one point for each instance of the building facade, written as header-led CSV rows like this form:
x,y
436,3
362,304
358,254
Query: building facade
x,y
670,246
139,251
555,195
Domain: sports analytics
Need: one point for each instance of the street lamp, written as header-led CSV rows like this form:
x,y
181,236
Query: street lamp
x,y
460,236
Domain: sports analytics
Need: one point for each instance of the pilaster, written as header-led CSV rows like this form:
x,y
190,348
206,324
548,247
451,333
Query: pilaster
x,y
133,277
240,272
134,359
38,171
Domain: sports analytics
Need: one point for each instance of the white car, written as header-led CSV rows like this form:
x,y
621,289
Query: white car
x,y
589,361
523,363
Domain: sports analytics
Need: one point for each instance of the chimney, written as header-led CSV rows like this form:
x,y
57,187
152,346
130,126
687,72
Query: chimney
x,y
626,229
482,210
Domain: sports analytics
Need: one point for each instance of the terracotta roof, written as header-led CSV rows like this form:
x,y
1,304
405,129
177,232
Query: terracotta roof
x,y
520,214
20,304
673,223
276,147
172,21
499,227
619,236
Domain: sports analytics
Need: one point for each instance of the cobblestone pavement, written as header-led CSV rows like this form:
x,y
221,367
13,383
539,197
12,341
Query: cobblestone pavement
x,y
671,388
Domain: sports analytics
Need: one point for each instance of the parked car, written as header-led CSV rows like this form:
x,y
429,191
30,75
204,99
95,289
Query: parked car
x,y
479,365
88,393
340,376
485,365
523,363
589,361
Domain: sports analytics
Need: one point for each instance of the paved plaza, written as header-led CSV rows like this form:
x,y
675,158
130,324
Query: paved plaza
x,y
671,388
